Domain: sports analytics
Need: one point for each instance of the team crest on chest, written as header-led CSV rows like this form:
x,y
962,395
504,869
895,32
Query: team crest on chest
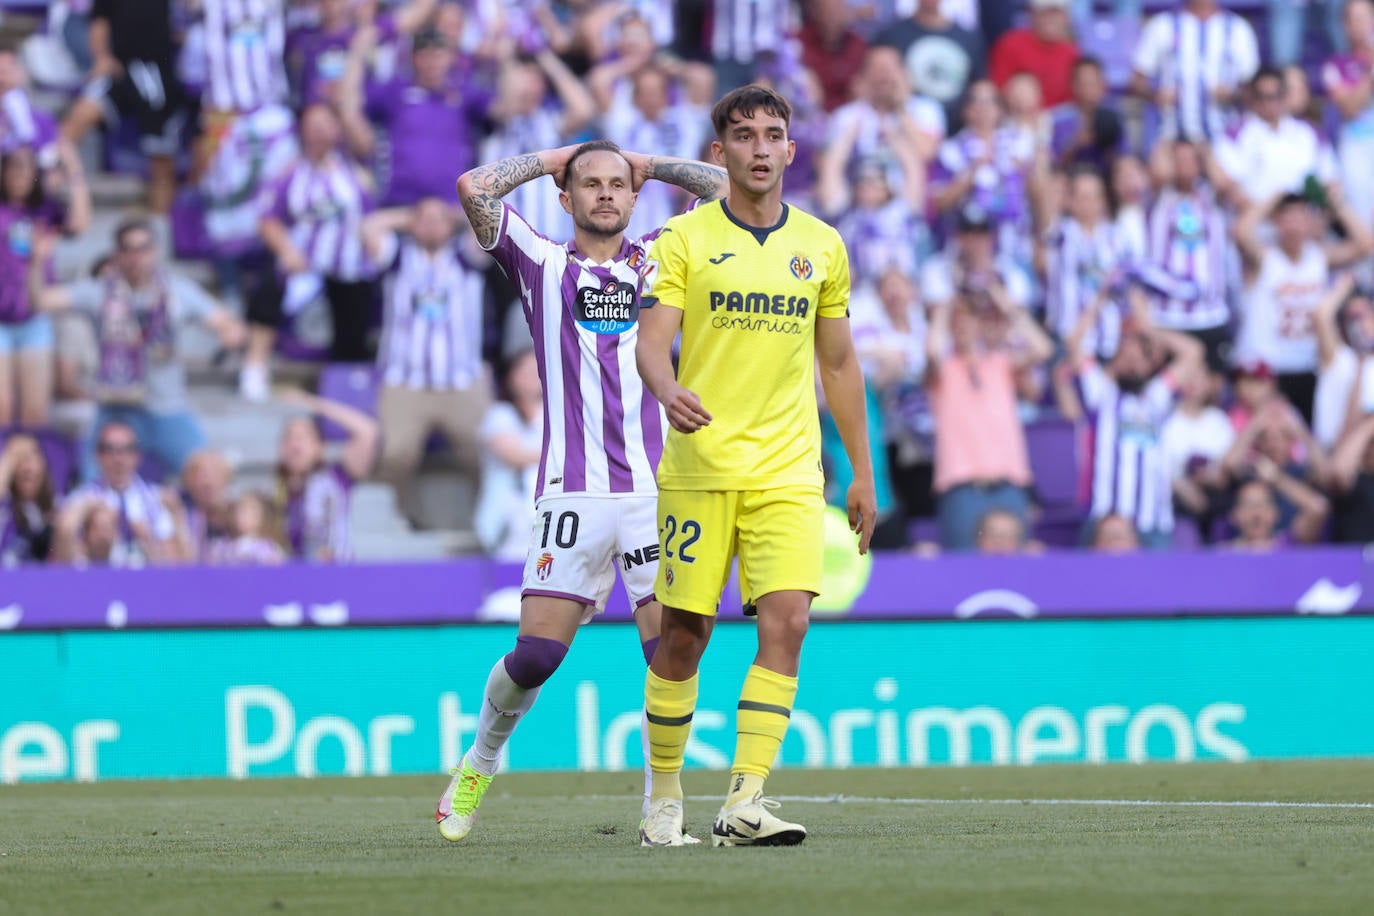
x,y
801,267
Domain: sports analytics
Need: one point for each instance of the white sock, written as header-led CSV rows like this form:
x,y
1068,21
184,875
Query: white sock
x,y
502,706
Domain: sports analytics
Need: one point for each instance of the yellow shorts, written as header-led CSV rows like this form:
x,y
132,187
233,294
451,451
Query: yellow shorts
x,y
776,534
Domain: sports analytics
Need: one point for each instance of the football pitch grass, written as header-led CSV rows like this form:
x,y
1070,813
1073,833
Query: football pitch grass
x,y
1293,838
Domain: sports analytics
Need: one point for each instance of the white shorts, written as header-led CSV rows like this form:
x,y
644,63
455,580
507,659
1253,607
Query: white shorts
x,y
579,541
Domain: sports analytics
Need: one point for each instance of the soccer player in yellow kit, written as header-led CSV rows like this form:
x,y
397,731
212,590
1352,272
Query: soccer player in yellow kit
x,y
760,292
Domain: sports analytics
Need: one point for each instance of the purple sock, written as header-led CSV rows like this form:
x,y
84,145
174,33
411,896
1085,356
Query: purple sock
x,y
534,660
649,647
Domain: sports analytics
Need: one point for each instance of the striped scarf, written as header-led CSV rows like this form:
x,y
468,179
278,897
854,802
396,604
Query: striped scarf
x,y
130,338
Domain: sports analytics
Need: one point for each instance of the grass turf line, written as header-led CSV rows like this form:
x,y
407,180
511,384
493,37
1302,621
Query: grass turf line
x,y
544,845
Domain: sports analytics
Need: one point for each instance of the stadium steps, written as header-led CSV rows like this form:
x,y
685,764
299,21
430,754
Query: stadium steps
x,y
247,435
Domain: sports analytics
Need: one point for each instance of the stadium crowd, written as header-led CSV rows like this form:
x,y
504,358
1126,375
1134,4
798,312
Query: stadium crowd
x,y
1158,274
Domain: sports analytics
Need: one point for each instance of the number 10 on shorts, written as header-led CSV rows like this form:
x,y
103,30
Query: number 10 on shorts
x,y
564,533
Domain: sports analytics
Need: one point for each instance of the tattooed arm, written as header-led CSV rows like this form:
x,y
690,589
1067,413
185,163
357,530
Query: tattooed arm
x,y
697,178
482,188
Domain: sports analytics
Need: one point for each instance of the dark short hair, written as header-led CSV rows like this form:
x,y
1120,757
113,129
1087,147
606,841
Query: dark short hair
x,y
1082,170
36,195
1268,72
746,100
133,224
1087,61
591,146
1291,199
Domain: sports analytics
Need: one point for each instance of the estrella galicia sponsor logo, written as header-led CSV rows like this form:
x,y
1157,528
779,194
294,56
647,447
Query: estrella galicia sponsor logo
x,y
801,267
608,309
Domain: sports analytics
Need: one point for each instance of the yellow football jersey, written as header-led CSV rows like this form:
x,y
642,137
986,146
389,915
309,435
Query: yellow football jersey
x,y
750,298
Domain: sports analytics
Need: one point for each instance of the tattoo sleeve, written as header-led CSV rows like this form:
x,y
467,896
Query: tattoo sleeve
x,y
487,184
705,181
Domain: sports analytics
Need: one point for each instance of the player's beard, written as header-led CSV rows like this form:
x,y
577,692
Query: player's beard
x,y
586,224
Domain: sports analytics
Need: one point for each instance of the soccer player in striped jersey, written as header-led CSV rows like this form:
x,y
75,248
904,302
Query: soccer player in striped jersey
x,y
596,498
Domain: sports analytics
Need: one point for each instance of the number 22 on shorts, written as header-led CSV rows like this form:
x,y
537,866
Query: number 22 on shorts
x,y
690,531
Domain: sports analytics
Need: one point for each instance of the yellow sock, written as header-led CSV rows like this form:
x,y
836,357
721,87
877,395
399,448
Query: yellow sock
x,y
765,705
668,707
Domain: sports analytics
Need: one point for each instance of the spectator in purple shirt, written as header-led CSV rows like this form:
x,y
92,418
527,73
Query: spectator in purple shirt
x,y
430,123
28,208
1256,518
205,482
991,165
430,358
27,503
317,56
1083,130
1349,82
313,230
255,538
137,309
1276,449
21,124
149,523
312,494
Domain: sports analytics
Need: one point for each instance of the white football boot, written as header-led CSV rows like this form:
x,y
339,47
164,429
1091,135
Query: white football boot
x,y
662,825
752,823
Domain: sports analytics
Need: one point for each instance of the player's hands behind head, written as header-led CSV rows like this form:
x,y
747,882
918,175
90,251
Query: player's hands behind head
x,y
555,162
640,169
684,410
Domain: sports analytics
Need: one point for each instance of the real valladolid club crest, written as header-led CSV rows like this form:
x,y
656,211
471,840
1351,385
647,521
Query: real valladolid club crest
x,y
801,267
543,566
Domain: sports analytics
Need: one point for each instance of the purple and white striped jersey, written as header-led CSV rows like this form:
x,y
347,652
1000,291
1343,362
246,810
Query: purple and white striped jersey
x,y
140,503
879,239
317,517
1128,467
1189,261
245,49
253,152
603,430
244,551
432,328
22,125
1079,265
1192,58
742,29
322,205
